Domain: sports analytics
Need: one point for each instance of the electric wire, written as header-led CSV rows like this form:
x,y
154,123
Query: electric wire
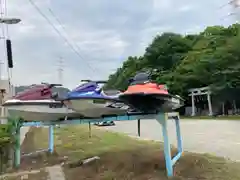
x,y
65,31
235,7
59,33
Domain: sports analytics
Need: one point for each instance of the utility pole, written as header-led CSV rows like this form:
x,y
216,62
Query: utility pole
x,y
5,21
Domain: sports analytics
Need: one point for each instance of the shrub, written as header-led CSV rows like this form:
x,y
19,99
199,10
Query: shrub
x,y
7,142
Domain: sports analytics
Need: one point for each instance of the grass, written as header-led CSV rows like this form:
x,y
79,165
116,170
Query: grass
x,y
121,157
229,117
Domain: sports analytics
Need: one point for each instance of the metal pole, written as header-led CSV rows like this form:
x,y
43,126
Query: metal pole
x,y
139,127
89,129
17,147
51,139
167,147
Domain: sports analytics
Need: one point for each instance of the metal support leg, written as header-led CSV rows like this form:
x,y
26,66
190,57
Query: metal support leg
x,y
167,149
50,139
17,148
139,127
89,129
178,132
179,141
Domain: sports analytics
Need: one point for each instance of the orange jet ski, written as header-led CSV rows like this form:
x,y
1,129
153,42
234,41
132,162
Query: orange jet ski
x,y
148,97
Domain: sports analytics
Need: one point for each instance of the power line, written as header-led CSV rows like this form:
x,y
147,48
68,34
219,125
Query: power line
x,y
235,7
58,32
64,29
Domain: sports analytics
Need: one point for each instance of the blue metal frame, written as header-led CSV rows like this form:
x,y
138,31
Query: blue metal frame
x,y
167,148
162,118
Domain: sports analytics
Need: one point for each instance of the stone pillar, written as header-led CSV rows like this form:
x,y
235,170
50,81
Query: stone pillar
x,y
193,105
209,104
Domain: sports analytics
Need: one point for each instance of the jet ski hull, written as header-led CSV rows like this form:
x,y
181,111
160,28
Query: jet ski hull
x,y
39,111
95,108
152,102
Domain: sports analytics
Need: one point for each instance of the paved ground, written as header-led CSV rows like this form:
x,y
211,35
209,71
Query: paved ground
x,y
56,173
23,132
220,138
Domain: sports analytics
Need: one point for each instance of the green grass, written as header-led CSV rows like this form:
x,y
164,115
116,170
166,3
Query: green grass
x,y
230,117
123,158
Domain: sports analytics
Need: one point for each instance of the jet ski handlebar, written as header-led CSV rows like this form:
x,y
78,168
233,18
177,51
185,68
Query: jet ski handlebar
x,y
52,85
98,82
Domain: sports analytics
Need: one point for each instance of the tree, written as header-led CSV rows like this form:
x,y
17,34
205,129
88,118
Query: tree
x,y
210,58
166,51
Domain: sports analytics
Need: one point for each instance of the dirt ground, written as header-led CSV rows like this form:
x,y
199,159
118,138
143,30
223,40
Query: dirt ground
x,y
38,160
121,157
31,175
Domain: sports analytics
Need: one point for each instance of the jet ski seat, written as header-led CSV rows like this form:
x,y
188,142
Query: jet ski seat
x,y
140,78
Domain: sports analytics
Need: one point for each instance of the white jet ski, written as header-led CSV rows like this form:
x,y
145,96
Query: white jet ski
x,y
37,104
91,101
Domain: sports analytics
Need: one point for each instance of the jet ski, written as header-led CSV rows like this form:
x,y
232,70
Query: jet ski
x,y
145,96
38,103
91,101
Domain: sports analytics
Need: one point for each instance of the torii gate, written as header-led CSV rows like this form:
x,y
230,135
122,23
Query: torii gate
x,y
198,92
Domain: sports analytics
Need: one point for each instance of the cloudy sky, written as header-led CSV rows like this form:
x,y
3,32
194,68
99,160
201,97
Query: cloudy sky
x,y
104,33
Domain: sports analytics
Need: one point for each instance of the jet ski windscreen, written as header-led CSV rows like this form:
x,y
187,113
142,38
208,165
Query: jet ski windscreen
x,y
140,78
91,86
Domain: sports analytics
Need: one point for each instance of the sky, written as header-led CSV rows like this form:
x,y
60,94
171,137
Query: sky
x,y
104,33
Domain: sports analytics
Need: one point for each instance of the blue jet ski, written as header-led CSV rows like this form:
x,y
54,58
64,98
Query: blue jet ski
x,y
90,100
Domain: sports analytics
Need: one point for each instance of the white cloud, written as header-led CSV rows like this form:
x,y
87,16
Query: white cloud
x,y
185,8
162,4
106,32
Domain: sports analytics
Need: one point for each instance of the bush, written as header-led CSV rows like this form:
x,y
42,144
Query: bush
x,y
7,142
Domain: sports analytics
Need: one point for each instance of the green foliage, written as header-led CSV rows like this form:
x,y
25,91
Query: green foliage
x,y
8,131
5,135
8,140
210,58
